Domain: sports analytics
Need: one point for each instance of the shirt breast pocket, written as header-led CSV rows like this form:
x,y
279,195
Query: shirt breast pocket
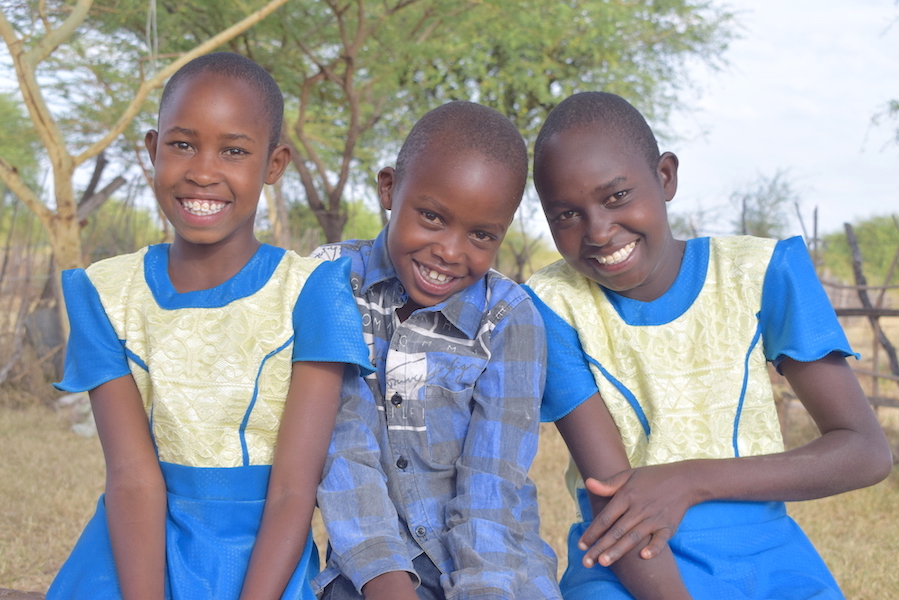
x,y
448,409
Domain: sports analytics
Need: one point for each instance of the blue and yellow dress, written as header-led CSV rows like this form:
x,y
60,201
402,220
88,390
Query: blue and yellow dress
x,y
685,377
213,369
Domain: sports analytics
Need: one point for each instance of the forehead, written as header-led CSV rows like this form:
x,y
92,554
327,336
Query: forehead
x,y
590,152
214,95
465,180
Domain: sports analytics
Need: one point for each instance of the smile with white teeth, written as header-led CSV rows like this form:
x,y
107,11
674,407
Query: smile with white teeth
x,y
433,276
203,208
618,256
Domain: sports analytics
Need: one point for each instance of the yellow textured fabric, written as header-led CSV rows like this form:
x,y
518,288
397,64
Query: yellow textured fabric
x,y
203,362
687,374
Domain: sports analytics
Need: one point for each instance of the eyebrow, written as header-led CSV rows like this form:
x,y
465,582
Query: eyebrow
x,y
617,181
193,132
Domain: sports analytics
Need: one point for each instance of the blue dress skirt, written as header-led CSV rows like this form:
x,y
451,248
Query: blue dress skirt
x,y
212,519
724,551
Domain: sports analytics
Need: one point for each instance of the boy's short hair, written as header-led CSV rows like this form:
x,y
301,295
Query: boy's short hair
x,y
608,110
459,126
240,67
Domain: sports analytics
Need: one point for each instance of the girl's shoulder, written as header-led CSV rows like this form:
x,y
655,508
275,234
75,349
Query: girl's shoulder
x,y
115,269
559,278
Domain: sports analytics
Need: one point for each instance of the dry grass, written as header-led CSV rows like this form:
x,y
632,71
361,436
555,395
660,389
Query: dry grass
x,y
51,481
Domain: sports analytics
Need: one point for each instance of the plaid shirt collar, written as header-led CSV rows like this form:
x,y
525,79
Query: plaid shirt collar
x,y
465,309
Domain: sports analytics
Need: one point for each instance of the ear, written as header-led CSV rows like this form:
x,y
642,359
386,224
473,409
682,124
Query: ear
x,y
667,173
277,163
386,186
150,141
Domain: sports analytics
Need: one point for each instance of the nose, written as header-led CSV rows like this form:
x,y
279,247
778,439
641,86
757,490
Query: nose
x,y
448,248
204,169
600,230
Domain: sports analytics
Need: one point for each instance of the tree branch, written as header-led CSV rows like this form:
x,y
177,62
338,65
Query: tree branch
x,y
86,207
154,82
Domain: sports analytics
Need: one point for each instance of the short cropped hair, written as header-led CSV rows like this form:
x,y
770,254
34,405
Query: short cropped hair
x,y
604,109
466,126
237,66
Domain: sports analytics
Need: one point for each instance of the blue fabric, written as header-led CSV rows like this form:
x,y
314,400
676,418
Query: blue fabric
x,y
101,355
567,363
205,506
724,551
677,299
797,318
431,454
326,321
331,332
246,282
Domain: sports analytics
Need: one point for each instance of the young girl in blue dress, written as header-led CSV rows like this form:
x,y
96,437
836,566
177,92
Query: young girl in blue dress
x,y
214,366
658,379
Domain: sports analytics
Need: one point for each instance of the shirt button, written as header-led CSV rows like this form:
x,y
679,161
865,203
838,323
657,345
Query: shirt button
x,y
420,531
396,400
402,462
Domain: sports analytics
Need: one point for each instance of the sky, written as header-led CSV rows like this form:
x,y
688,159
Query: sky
x,y
798,95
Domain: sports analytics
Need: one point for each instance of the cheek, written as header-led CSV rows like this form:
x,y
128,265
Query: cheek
x,y
566,240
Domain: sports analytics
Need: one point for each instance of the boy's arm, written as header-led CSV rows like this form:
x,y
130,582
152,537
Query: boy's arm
x,y
597,450
135,496
303,437
361,520
484,536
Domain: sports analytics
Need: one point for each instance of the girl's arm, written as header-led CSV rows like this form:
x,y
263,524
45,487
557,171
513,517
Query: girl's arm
x,y
303,438
852,452
135,490
598,452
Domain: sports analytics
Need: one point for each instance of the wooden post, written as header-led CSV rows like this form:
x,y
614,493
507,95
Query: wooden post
x,y
862,284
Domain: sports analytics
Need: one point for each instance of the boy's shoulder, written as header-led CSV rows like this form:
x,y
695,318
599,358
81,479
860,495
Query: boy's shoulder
x,y
501,288
358,251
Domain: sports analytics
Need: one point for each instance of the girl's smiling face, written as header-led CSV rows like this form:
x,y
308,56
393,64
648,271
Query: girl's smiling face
x,y
606,208
211,158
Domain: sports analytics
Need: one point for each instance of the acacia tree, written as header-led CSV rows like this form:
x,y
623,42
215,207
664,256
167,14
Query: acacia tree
x,y
357,73
765,206
32,34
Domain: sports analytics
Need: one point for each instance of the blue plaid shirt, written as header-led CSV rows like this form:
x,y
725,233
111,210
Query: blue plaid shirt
x,y
430,454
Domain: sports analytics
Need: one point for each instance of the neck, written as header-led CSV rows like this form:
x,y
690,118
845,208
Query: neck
x,y
194,267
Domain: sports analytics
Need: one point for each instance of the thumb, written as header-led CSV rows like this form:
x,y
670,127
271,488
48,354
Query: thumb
x,y
606,487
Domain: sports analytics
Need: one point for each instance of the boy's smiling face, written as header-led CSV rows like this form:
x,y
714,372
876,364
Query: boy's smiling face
x,y
211,158
606,208
449,213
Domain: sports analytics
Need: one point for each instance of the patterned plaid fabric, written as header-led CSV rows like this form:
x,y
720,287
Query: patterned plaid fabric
x,y
430,454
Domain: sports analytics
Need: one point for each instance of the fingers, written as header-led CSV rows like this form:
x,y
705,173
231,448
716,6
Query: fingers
x,y
656,544
619,539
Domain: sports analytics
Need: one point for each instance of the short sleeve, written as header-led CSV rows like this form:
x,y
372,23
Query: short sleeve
x,y
326,321
569,380
94,354
797,319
